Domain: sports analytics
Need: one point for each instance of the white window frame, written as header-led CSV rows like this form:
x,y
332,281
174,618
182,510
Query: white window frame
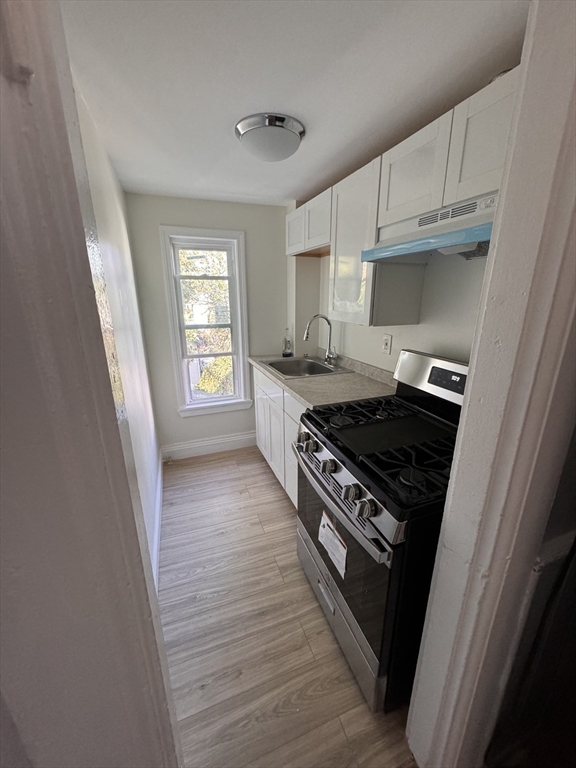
x,y
211,239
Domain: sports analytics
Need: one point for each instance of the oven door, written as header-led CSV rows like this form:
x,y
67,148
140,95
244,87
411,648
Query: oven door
x,y
363,574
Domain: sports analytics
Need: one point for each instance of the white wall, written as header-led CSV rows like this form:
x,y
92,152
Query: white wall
x,y
448,315
303,296
266,287
83,673
109,209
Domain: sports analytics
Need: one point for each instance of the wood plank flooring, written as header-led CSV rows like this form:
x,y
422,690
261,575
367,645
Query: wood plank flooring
x,y
259,680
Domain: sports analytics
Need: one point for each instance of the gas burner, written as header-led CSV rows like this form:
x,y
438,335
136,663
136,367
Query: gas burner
x,y
413,474
340,420
412,478
391,411
360,412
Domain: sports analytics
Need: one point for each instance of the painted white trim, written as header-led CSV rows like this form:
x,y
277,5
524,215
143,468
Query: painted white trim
x,y
155,546
203,410
518,416
207,445
238,307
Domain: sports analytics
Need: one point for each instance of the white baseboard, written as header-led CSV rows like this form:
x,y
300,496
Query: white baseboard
x,y
208,445
155,544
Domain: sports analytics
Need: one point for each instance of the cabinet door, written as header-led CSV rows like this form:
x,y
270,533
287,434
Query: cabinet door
x,y
354,209
317,220
291,481
262,427
291,429
479,140
295,231
414,172
276,434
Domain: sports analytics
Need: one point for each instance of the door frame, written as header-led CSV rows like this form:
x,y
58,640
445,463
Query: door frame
x,y
517,418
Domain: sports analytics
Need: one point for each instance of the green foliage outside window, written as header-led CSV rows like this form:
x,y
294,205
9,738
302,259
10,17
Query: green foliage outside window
x,y
217,377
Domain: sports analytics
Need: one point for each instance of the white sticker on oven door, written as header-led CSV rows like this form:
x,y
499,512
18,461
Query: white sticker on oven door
x,y
333,543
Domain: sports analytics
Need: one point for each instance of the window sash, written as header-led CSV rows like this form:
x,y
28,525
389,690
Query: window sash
x,y
201,326
178,286
179,245
232,244
184,342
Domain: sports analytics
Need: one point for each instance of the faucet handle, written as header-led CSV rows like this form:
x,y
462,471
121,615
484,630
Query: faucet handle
x,y
331,356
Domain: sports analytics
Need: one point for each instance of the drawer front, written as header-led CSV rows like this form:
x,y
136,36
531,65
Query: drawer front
x,y
292,407
274,392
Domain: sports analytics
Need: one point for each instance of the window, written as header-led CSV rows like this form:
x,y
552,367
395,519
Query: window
x,y
207,300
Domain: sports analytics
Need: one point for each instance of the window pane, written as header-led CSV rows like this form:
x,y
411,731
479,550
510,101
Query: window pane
x,y
203,341
205,301
202,262
211,377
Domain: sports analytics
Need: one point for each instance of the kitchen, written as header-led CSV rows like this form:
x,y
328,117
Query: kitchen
x,y
259,334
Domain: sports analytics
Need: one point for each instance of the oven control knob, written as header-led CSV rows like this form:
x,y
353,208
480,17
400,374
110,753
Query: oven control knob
x,y
351,492
310,446
301,438
328,466
365,508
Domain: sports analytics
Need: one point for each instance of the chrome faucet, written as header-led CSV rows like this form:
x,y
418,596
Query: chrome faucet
x,y
331,355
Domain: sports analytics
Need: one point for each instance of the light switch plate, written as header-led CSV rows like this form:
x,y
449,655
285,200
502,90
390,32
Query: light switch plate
x,y
387,344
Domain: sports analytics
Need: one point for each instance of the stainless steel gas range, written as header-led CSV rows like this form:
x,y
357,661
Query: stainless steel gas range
x,y
373,476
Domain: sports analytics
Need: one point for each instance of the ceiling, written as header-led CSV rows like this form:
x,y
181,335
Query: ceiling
x,y
167,80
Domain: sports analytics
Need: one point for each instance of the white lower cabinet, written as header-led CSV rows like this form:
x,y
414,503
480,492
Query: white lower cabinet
x,y
276,432
262,425
277,424
291,428
270,430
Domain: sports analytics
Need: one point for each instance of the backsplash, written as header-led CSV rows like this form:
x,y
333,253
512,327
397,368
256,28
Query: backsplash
x,y
450,299
386,377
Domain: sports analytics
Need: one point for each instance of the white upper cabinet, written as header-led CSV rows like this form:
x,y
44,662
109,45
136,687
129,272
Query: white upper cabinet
x,y
480,129
354,214
318,218
308,227
414,172
295,223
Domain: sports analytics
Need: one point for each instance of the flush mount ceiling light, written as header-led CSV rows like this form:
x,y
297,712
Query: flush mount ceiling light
x,y
270,137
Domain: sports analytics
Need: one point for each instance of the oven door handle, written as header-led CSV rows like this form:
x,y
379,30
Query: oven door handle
x,y
374,552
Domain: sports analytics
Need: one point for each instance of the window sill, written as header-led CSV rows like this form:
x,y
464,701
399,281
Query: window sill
x,y
214,407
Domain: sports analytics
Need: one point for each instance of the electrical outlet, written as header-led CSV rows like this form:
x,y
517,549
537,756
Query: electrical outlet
x,y
387,344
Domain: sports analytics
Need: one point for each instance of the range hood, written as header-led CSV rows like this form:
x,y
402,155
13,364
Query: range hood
x,y
464,228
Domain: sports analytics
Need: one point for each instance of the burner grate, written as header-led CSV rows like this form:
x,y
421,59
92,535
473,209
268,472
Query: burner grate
x,y
370,411
414,474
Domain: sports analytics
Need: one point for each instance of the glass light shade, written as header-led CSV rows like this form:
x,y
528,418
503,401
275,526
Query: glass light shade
x,y
270,137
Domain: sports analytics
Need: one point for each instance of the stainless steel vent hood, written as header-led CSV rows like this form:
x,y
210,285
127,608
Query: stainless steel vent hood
x,y
464,228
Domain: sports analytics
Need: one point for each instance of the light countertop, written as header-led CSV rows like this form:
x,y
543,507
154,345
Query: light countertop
x,y
321,390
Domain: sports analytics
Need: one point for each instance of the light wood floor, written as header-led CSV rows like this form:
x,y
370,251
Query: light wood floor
x,y
258,678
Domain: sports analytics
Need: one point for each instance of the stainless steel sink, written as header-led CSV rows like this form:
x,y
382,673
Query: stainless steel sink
x,y
298,367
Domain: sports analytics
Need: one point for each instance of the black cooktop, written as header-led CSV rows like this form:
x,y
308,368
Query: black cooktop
x,y
370,426
405,451
371,411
